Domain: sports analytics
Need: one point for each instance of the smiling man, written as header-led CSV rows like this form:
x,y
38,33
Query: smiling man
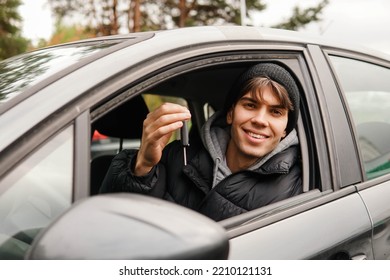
x,y
248,158
258,123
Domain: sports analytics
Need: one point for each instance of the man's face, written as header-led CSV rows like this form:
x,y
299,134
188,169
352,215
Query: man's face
x,y
256,128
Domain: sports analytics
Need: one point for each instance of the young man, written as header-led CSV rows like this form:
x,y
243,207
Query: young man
x,y
248,158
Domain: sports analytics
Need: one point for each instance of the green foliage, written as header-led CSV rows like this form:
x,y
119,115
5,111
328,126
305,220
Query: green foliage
x,y
301,17
106,17
98,16
11,42
63,34
209,12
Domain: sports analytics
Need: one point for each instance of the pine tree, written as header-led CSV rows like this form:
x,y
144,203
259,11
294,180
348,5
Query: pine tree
x,y
11,41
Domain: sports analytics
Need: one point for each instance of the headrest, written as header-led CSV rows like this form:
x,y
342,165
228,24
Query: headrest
x,y
124,122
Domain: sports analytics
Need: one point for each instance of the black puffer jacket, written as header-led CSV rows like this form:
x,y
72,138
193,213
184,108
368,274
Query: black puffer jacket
x,y
191,186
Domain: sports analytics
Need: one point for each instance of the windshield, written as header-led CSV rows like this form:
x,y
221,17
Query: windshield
x,y
23,71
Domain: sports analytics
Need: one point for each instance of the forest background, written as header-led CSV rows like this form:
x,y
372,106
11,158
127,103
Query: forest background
x,y
96,18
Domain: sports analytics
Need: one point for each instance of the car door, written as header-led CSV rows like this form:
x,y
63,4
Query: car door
x,y
328,221
333,224
44,142
365,85
35,193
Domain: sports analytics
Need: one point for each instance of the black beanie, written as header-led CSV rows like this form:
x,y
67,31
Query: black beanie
x,y
276,73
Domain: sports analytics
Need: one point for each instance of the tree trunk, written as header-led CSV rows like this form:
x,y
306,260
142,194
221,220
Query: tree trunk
x,y
183,13
137,16
115,24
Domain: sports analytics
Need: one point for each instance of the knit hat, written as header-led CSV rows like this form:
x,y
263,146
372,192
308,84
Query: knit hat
x,y
276,73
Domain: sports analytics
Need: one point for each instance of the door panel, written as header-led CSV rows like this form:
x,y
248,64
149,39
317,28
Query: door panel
x,y
339,229
377,199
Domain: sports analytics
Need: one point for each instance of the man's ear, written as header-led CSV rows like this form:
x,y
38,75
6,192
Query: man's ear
x,y
284,134
229,116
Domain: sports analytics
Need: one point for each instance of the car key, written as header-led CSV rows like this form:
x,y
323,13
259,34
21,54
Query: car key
x,y
184,140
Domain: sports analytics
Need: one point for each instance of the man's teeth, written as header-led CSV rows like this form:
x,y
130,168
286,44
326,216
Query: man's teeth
x,y
257,136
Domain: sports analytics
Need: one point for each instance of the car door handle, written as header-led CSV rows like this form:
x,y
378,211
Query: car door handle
x,y
361,257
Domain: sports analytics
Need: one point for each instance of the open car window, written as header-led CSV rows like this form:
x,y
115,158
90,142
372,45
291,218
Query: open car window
x,y
203,91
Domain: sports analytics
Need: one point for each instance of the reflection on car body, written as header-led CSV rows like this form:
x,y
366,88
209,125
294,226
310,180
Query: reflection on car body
x,y
53,100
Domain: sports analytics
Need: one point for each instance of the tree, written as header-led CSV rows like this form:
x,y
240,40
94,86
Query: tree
x,y
302,17
11,41
207,12
63,34
107,17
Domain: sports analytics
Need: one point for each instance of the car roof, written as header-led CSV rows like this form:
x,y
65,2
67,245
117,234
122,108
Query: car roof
x,y
235,32
102,65
199,35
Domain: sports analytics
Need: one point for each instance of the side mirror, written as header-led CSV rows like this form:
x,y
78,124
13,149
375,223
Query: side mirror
x,y
129,226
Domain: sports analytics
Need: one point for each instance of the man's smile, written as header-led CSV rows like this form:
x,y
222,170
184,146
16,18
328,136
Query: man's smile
x,y
256,135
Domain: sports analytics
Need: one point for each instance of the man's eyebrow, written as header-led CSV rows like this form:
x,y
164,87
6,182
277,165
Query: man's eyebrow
x,y
245,98
278,106
254,100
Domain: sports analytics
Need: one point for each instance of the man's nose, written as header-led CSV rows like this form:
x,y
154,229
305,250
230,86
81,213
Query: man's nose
x,y
260,117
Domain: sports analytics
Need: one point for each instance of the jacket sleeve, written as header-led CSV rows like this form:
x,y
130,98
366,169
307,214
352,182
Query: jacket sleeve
x,y
119,177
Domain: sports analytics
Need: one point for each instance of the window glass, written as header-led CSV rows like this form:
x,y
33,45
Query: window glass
x,y
20,72
35,193
367,89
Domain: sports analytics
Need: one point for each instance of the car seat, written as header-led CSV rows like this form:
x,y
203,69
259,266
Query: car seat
x,y
124,122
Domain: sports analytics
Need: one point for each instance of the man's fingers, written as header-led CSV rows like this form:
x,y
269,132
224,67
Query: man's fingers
x,y
157,130
165,120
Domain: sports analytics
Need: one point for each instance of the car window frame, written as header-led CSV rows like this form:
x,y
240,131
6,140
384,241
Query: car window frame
x,y
299,67
365,182
343,155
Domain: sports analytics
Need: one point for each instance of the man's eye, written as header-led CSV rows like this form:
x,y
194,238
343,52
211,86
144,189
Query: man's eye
x,y
277,112
249,105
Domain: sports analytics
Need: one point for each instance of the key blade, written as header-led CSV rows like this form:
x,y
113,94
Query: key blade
x,y
185,155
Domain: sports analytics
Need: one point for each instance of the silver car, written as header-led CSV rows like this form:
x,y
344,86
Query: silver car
x,y
66,110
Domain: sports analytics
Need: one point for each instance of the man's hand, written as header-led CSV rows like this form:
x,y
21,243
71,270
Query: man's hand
x,y
157,130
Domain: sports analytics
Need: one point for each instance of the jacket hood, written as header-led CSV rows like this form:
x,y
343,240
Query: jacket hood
x,y
216,136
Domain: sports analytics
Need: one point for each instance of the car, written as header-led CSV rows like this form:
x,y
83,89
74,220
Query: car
x,y
58,105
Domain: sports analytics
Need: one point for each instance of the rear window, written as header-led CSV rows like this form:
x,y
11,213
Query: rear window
x,y
367,90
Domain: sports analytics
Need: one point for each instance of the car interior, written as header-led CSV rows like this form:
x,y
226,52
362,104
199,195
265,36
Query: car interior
x,y
201,91
117,124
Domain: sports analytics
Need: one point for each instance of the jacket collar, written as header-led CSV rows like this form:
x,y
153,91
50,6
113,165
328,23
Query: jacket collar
x,y
215,138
